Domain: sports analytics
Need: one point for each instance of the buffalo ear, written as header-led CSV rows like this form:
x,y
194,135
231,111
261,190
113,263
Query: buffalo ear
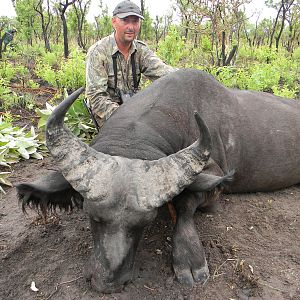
x,y
207,182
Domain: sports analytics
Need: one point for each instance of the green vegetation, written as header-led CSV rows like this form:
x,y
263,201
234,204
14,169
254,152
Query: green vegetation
x,y
77,118
60,73
15,144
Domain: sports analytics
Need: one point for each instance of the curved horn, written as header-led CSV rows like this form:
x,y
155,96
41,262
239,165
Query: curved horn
x,y
76,160
177,171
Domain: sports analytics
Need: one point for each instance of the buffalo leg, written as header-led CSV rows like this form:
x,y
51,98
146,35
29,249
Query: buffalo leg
x,y
189,260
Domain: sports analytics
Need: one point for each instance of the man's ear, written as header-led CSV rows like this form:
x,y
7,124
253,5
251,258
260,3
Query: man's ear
x,y
113,21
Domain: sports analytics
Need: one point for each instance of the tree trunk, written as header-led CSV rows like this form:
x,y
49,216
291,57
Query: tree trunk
x,y
275,24
142,10
223,54
80,15
231,55
65,34
45,25
1,42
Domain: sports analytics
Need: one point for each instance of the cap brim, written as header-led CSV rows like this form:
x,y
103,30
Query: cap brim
x,y
124,15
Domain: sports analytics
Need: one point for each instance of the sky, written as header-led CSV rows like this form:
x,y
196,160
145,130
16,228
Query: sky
x,y
155,7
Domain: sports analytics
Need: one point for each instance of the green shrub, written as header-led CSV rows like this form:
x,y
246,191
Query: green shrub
x,y
50,59
263,54
7,97
205,44
77,119
7,71
46,73
263,77
32,84
296,54
171,49
26,100
285,92
4,181
15,144
70,73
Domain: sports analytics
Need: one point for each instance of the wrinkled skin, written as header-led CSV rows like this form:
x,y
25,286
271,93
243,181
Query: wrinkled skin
x,y
115,243
255,134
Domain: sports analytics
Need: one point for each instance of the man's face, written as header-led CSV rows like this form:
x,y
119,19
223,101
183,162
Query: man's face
x,y
126,29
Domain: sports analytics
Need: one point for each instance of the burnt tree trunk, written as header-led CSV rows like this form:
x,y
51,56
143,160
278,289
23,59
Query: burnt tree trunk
x,y
62,9
1,42
285,9
275,25
223,54
80,15
142,10
45,22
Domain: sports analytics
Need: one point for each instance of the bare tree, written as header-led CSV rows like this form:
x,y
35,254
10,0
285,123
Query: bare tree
x,y
81,9
63,5
157,29
143,11
283,7
46,19
293,25
224,19
286,5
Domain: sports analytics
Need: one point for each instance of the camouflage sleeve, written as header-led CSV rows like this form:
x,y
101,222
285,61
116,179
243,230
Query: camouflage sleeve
x,y
152,66
96,85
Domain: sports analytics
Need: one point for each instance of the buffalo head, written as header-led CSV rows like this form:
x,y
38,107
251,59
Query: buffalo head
x,y
121,195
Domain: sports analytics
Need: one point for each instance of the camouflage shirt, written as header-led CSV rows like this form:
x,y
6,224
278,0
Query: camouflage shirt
x,y
100,79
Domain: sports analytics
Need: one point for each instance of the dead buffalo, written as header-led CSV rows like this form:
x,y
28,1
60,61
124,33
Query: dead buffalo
x,y
142,159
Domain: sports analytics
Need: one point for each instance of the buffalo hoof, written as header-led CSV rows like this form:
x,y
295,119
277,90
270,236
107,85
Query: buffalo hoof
x,y
190,277
189,262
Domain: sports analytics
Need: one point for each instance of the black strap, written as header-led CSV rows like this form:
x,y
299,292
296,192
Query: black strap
x,y
114,58
91,114
136,82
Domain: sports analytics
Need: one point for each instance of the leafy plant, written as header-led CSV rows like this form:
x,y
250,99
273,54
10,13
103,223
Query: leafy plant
x,y
10,99
4,181
285,92
15,144
50,58
263,77
26,100
70,75
7,70
72,72
77,119
4,89
45,72
32,84
171,50
7,97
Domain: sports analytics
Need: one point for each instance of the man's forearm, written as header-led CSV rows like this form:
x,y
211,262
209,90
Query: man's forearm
x,y
102,106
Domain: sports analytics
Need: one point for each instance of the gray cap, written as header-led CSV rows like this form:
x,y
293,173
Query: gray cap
x,y
127,8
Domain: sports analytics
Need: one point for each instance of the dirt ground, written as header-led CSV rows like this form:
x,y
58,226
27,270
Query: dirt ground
x,y
252,245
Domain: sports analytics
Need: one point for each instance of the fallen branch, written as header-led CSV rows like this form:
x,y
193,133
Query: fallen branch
x,y
64,282
271,287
